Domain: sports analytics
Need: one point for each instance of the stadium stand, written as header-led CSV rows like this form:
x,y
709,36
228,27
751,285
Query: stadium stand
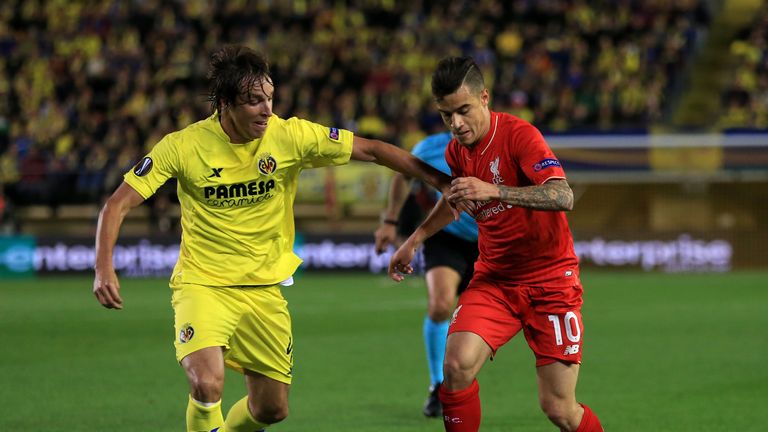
x,y
745,94
88,87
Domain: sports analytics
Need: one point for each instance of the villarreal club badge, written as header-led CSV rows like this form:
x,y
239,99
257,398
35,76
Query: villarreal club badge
x,y
186,333
267,164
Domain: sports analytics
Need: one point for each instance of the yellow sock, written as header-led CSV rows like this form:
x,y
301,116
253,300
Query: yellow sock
x,y
240,419
202,418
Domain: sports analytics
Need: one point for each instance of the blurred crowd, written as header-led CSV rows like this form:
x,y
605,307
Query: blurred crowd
x,y
745,98
87,87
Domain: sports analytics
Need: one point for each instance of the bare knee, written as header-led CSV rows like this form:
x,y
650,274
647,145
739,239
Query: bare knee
x,y
205,373
205,387
465,354
439,309
269,412
459,371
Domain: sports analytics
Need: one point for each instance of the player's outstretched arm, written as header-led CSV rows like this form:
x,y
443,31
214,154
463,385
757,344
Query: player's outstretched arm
x,y
106,287
399,160
386,234
554,195
400,263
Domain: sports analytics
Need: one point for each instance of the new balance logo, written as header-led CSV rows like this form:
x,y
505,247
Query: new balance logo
x,y
455,314
571,349
452,420
216,172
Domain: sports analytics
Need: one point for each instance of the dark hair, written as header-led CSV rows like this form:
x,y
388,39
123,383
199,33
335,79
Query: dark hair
x,y
452,72
233,72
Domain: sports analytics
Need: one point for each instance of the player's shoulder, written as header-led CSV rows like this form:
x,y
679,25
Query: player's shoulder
x,y
200,129
278,123
282,129
511,121
516,129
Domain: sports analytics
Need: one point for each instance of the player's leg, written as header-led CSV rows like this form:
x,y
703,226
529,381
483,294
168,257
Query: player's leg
x,y
442,284
554,332
205,373
460,392
449,261
266,404
465,355
484,320
261,348
557,396
204,320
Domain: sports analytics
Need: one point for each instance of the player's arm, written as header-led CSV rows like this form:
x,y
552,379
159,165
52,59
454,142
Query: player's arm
x,y
400,263
399,160
399,188
106,287
554,194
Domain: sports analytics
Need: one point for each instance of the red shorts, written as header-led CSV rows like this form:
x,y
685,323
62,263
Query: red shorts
x,y
550,317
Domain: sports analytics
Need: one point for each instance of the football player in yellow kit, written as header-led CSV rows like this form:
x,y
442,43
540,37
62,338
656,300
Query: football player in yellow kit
x,y
237,174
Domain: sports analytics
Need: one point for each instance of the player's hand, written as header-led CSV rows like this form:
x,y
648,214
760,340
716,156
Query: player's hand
x,y
106,288
385,235
455,209
473,189
458,205
400,263
466,206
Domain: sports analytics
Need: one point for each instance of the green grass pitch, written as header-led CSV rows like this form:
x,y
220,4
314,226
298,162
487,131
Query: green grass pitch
x,y
662,353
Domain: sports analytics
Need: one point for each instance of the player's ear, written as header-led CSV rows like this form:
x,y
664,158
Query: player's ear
x,y
484,97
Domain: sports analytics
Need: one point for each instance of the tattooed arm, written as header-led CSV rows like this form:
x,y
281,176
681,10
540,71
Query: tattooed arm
x,y
553,195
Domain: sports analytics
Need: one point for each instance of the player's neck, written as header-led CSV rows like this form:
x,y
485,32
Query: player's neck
x,y
228,126
484,131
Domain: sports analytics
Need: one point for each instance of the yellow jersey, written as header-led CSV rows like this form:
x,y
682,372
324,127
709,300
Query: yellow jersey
x,y
237,199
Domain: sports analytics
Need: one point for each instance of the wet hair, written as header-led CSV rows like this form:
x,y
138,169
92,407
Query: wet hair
x,y
452,72
233,72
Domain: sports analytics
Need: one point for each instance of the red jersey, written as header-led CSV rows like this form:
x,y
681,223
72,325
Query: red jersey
x,y
517,245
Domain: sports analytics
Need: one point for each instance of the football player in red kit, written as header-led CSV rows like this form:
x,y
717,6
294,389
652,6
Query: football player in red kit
x,y
527,275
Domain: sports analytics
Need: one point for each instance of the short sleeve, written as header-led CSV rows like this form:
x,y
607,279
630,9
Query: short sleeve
x,y
154,169
321,145
535,158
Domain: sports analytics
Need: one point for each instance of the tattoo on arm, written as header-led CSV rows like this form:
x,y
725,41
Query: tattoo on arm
x,y
553,195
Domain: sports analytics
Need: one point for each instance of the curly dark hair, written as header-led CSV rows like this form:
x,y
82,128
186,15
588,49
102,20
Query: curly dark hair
x,y
452,72
233,72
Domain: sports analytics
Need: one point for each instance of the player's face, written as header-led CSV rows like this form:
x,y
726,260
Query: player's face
x,y
466,114
247,118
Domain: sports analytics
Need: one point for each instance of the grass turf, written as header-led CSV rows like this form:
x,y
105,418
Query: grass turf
x,y
662,353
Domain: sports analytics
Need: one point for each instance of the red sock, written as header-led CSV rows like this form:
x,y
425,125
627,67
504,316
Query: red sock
x,y
461,408
589,421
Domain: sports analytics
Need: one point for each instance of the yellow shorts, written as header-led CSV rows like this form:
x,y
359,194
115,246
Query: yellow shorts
x,y
251,323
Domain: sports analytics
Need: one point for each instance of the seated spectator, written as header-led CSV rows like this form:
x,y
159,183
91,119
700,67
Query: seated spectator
x,y
565,64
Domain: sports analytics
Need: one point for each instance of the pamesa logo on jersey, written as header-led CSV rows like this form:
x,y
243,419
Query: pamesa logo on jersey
x,y
243,194
267,164
239,194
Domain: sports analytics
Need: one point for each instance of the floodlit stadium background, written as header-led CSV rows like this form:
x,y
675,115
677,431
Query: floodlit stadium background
x,y
657,111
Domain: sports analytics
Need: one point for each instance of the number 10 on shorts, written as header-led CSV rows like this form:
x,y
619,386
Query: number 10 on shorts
x,y
571,324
